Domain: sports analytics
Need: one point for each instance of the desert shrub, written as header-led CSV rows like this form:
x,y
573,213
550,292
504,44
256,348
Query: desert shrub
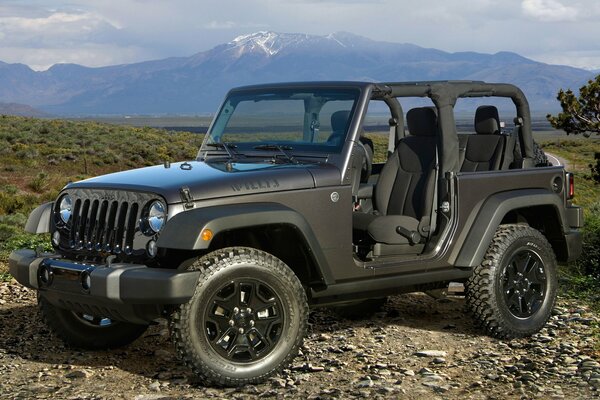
x,y
595,168
39,183
11,203
8,231
589,263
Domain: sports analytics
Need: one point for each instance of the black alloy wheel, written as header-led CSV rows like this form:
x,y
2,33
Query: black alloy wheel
x,y
524,283
244,320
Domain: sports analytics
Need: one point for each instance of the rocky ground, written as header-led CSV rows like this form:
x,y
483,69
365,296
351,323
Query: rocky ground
x,y
417,347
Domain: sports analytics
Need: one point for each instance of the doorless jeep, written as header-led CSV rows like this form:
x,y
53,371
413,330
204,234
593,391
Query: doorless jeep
x,y
284,209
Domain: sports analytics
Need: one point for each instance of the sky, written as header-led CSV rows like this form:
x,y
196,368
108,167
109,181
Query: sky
x,y
41,33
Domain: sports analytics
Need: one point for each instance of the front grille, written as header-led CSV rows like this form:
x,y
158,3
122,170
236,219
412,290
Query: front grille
x,y
104,225
105,222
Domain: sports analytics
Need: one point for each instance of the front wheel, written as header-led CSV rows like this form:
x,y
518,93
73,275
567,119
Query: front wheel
x,y
246,320
85,331
512,292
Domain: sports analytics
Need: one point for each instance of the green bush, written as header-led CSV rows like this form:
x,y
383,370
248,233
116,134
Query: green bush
x,y
39,183
595,168
589,263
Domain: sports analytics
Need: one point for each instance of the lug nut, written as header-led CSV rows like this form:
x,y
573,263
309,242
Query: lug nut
x,y
231,323
236,310
248,310
241,330
251,323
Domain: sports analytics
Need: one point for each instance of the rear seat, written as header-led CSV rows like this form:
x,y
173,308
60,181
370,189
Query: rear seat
x,y
483,151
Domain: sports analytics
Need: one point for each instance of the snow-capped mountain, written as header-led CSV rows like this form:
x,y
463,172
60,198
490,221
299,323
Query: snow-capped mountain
x,y
198,83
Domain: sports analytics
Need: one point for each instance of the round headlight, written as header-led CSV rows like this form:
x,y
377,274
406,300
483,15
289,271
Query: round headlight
x,y
65,208
156,216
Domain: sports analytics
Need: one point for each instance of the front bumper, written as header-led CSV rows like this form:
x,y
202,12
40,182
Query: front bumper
x,y
125,292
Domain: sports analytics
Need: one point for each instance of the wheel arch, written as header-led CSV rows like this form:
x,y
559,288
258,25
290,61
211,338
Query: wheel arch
x,y
539,208
270,227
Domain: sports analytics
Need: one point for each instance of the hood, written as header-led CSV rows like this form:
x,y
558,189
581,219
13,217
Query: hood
x,y
208,180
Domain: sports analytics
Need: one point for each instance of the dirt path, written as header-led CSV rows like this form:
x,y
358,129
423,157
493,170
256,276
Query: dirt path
x,y
556,161
376,358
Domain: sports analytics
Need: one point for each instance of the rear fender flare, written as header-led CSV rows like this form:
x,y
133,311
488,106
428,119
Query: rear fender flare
x,y
492,213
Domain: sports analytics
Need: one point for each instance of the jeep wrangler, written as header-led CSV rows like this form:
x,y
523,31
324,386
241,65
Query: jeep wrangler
x,y
284,209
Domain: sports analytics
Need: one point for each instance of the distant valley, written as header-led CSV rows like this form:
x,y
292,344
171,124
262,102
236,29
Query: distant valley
x,y
195,85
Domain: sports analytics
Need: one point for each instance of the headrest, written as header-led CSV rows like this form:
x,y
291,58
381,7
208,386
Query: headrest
x,y
422,121
339,120
487,121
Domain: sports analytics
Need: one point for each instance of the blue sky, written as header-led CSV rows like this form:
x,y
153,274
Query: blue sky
x,y
40,33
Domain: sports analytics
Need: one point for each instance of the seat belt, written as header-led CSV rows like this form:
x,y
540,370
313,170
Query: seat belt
x,y
433,216
393,122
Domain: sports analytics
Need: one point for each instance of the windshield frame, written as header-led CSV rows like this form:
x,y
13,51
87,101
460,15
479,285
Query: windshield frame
x,y
356,93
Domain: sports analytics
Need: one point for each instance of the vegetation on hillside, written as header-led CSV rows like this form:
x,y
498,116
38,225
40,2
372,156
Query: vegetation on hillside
x,y
582,278
40,156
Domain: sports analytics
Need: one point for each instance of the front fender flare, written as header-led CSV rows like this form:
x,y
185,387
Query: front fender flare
x,y
490,216
184,229
39,219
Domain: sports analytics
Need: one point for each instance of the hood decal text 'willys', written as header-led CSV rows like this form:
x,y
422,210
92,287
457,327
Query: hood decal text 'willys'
x,y
255,185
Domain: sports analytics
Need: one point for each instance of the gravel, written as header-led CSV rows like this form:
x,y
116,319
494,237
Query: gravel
x,y
417,347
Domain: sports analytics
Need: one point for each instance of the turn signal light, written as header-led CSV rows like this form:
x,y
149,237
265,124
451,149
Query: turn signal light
x,y
206,235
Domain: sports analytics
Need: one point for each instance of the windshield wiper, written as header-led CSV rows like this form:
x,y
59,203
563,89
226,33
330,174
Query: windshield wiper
x,y
282,149
228,147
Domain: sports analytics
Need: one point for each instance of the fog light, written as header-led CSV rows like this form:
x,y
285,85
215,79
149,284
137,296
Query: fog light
x,y
86,281
151,248
56,238
45,275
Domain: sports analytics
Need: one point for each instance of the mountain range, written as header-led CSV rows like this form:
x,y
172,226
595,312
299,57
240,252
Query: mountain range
x,y
197,84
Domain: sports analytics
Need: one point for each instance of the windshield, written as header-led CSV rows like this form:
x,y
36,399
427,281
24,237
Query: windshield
x,y
283,121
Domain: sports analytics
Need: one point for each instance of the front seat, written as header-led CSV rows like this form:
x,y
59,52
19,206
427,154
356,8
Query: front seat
x,y
403,194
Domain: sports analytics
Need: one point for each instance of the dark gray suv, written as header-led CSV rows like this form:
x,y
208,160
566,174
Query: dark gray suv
x,y
284,209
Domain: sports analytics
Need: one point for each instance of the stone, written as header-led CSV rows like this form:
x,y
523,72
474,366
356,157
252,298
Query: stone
x,y
278,382
430,353
78,374
366,383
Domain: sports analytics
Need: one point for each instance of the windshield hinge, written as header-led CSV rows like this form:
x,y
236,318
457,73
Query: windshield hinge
x,y
186,197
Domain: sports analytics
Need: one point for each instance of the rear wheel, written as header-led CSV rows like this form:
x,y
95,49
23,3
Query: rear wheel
x,y
246,320
87,331
512,292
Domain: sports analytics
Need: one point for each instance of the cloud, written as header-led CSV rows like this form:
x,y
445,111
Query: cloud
x,y
91,55
220,25
549,10
120,31
57,28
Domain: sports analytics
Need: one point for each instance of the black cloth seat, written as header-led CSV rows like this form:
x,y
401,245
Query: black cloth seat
x,y
483,151
404,191
339,124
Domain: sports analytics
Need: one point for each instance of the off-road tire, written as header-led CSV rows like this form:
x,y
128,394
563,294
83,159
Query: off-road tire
x,y
189,322
75,331
485,290
360,310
